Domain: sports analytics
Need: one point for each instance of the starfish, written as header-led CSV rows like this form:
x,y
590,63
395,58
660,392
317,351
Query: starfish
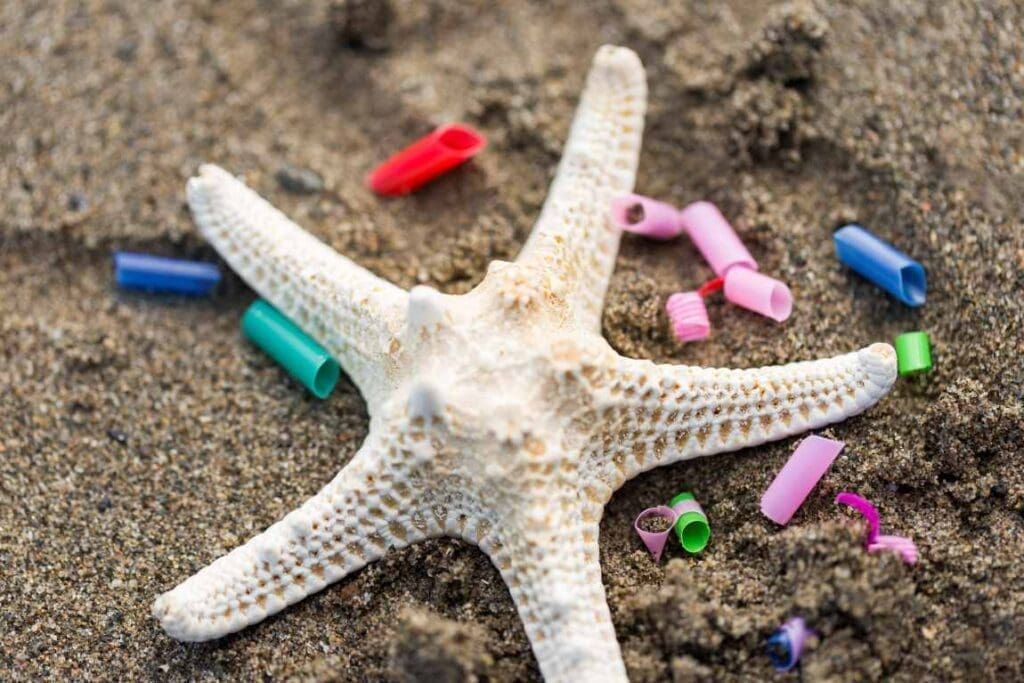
x,y
501,416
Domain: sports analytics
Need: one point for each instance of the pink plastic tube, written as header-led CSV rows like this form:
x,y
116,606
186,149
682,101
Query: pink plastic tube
x,y
798,477
715,238
758,293
689,316
864,507
645,216
899,544
655,541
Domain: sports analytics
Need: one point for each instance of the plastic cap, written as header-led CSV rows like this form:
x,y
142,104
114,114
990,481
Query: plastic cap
x,y
798,477
881,263
282,340
160,274
787,644
715,238
655,540
430,156
913,353
692,528
645,216
688,315
759,293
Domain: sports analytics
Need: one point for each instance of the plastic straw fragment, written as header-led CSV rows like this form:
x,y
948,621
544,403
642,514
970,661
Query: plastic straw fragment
x,y
881,263
282,340
642,215
913,353
798,477
425,159
787,644
160,274
874,541
691,526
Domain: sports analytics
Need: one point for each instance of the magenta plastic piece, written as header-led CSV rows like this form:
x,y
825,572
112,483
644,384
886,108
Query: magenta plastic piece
x,y
758,293
655,541
715,238
864,507
689,316
900,544
798,476
645,216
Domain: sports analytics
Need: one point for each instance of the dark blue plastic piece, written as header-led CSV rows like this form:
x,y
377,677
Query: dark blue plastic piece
x,y
780,651
159,274
880,262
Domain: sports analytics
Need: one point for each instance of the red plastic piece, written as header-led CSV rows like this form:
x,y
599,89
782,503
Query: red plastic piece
x,y
430,156
710,287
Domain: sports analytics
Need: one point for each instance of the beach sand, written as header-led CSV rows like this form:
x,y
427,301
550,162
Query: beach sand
x,y
141,436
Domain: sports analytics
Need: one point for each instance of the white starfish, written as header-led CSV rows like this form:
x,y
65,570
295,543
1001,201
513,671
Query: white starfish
x,y
502,416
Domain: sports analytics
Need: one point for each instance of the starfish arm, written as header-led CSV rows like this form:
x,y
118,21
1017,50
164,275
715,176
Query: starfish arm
x,y
547,553
364,511
573,243
354,314
653,415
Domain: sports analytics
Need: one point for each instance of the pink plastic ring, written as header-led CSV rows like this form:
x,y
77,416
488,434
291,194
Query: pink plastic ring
x,y
864,507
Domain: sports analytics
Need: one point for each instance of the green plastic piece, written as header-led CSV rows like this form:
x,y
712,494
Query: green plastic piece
x,y
913,353
692,528
303,358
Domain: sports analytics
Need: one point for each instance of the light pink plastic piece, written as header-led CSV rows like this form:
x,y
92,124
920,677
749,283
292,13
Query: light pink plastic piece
x,y
900,544
689,316
798,476
715,238
655,541
758,293
645,216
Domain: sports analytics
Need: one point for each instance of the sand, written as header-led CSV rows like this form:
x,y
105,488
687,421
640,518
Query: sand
x,y
141,436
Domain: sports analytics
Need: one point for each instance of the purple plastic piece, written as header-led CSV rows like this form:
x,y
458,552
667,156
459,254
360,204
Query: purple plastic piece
x,y
758,293
655,541
715,238
798,476
689,316
864,507
645,216
900,544
787,644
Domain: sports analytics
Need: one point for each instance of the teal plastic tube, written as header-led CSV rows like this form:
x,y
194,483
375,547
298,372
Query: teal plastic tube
x,y
303,358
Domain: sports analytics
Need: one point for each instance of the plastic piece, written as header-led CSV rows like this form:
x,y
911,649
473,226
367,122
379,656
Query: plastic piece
x,y
881,263
798,477
645,216
759,293
303,358
864,507
899,544
710,287
160,274
715,238
691,525
430,156
787,644
655,541
689,316
913,353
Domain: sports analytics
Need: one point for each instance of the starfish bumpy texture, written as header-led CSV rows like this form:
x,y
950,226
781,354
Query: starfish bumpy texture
x,y
501,416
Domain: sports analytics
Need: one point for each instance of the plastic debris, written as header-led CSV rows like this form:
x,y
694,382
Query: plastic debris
x,y
159,274
874,541
881,263
655,540
688,315
913,353
691,525
798,477
787,644
645,216
715,238
282,340
438,152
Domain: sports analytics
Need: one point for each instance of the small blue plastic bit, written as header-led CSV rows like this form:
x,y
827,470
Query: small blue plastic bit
x,y
881,263
159,274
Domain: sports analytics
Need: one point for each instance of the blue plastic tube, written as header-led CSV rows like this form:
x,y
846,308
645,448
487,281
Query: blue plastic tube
x,y
881,263
159,274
